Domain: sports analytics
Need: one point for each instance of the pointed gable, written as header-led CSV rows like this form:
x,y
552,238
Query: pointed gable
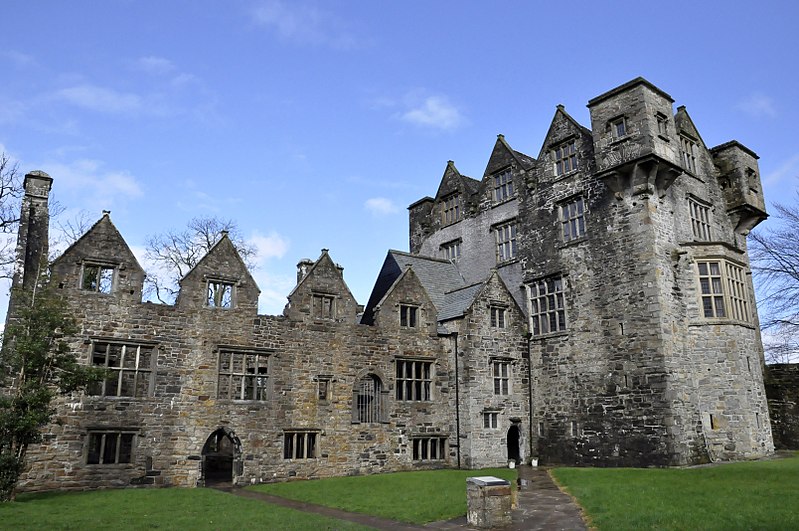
x,y
503,156
684,125
100,262
322,294
219,280
565,138
406,306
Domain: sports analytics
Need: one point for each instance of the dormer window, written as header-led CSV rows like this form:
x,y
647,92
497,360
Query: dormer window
x,y
503,186
451,209
323,306
618,127
220,294
409,316
97,277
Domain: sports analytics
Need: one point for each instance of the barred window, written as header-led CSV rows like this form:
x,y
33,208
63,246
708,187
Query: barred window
x,y
409,316
130,369
503,186
414,379
497,317
565,157
110,448
243,375
547,307
723,290
501,372
220,294
700,220
451,250
506,241
429,448
688,152
300,444
572,219
490,419
323,306
368,400
96,277
451,209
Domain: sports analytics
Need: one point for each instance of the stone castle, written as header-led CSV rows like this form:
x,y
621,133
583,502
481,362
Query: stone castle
x,y
592,305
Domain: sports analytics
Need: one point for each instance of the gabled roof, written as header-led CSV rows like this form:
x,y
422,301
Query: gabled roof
x,y
684,123
561,115
98,225
456,302
502,155
326,256
224,245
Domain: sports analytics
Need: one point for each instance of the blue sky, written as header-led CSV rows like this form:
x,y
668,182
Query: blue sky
x,y
315,124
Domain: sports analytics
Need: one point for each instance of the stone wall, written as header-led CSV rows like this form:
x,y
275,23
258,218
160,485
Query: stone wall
x,y
782,389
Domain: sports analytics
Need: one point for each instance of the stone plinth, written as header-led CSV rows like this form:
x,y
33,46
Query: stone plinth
x,y
488,502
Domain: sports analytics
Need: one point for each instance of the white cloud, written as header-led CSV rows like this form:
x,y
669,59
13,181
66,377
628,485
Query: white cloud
x,y
273,245
380,206
302,24
97,186
274,289
155,65
758,106
433,111
789,168
100,99
18,58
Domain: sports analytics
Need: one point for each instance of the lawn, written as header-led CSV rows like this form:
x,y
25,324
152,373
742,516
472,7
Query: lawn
x,y
193,509
753,495
414,497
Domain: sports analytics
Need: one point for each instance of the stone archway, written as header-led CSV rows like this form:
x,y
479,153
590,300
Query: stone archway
x,y
221,457
513,438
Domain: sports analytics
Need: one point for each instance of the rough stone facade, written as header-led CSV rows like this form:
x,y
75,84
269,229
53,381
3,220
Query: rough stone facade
x,y
592,305
782,389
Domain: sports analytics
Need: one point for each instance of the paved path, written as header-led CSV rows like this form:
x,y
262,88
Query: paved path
x,y
541,506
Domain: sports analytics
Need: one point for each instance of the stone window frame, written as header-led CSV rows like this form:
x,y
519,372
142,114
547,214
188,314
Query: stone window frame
x,y
451,208
324,387
498,315
618,127
323,305
220,293
451,250
301,443
723,291
255,386
491,419
573,215
688,152
141,371
502,185
409,315
124,445
546,299
564,157
413,379
97,276
700,214
426,448
377,411
501,376
662,124
505,235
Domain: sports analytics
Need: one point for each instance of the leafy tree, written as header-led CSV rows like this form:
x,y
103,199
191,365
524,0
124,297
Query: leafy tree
x,y
172,254
36,365
775,263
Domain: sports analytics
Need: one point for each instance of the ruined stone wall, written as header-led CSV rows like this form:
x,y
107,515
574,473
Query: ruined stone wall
x,y
782,389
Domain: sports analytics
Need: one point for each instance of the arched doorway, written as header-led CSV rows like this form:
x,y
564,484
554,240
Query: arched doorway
x,y
220,455
513,443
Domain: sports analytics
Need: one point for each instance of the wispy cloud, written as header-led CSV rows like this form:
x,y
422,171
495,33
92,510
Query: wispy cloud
x,y
435,112
100,99
153,64
380,206
273,245
788,168
97,185
18,58
758,105
303,24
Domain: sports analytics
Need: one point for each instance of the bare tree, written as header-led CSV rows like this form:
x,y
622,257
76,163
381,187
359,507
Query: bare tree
x,y
775,263
11,192
172,254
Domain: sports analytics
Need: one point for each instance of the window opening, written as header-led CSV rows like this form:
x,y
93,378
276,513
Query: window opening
x,y
414,380
451,250
109,448
503,186
723,290
97,278
323,306
408,316
129,369
662,123
299,445
501,372
497,317
243,375
220,294
618,127
368,399
429,448
490,419
688,150
451,209
565,157
506,242
700,220
547,309
572,218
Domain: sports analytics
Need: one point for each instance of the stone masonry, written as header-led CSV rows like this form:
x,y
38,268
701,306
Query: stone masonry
x,y
589,306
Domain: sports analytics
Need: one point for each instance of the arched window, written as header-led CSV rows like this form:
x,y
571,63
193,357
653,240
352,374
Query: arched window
x,y
367,400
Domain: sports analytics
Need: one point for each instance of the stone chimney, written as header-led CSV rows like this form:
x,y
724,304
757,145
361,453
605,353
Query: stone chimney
x,y
303,266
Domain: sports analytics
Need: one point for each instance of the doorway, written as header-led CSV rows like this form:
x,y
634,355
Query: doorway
x,y
220,453
513,443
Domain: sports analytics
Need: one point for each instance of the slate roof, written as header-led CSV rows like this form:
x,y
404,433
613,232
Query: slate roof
x,y
436,275
456,302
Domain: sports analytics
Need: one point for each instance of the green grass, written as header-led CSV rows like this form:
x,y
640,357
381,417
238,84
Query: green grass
x,y
414,497
193,509
754,495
